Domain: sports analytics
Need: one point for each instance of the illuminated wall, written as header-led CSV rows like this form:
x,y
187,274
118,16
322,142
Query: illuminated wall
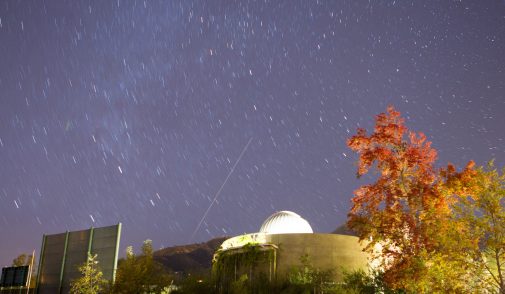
x,y
278,254
325,251
62,254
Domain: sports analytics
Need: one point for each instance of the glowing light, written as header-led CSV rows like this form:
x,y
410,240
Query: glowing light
x,y
285,222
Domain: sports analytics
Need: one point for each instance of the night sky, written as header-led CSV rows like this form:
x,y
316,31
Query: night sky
x,y
137,111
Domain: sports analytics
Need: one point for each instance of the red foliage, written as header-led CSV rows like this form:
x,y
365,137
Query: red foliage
x,y
406,208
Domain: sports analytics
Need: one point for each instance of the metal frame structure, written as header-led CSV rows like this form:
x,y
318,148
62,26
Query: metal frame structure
x,y
70,256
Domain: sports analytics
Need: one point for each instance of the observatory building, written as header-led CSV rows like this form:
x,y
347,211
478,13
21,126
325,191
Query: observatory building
x,y
284,243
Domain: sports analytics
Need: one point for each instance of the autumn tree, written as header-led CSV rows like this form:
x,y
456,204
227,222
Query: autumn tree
x,y
403,216
483,216
91,281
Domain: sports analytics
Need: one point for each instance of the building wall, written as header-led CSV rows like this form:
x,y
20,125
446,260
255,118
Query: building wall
x,y
324,251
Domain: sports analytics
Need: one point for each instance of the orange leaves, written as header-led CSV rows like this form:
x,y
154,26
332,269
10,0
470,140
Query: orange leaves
x,y
406,209
419,152
463,183
389,127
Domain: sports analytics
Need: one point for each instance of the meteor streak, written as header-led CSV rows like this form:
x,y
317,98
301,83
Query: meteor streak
x,y
220,189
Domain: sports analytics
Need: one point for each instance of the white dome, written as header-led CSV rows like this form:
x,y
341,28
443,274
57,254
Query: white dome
x,y
285,222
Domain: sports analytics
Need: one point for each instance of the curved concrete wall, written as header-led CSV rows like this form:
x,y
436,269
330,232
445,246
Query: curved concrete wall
x,y
325,252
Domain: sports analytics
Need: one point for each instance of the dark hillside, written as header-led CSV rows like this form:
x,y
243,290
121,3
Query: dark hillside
x,y
189,258
198,257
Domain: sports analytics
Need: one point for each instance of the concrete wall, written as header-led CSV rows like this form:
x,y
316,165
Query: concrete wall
x,y
324,251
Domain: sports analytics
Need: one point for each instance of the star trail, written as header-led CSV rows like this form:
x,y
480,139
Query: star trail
x,y
136,111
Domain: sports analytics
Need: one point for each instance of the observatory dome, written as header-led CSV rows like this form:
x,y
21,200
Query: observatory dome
x,y
285,222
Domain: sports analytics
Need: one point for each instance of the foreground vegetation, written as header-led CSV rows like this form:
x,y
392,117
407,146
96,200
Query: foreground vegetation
x,y
141,274
432,230
429,229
